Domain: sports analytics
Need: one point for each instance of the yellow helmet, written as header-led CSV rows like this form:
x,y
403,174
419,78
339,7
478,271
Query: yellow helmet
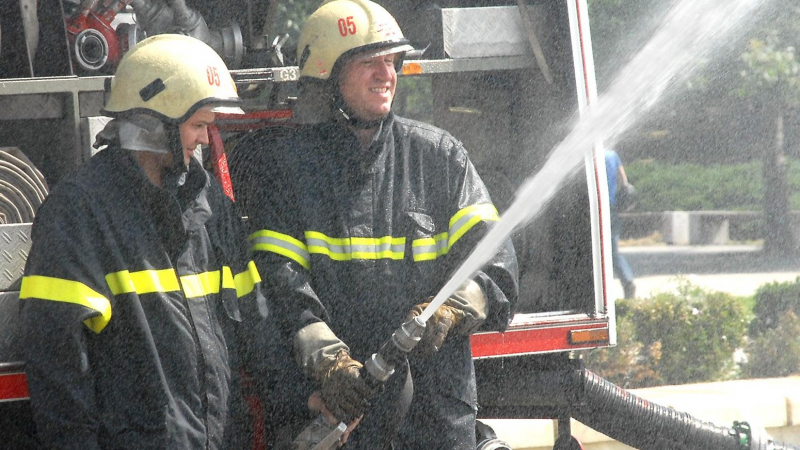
x,y
171,76
343,27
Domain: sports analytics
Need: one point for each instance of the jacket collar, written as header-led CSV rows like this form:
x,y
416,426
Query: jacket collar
x,y
349,150
188,201
197,209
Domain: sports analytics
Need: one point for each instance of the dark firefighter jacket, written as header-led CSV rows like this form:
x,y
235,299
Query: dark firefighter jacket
x,y
129,301
355,238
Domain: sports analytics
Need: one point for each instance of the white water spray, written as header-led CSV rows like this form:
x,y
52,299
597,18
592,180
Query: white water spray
x,y
691,30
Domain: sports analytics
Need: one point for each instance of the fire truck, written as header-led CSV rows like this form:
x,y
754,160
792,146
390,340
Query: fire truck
x,y
505,78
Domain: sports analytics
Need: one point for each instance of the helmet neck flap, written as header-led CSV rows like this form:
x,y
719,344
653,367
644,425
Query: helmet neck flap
x,y
159,84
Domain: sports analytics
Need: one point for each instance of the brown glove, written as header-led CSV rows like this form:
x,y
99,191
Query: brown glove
x,y
345,393
461,314
436,329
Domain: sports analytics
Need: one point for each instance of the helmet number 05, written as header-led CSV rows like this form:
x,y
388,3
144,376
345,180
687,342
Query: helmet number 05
x,y
213,76
347,26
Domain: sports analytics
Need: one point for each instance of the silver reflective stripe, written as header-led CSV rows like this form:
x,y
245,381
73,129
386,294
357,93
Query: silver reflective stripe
x,y
466,218
282,244
346,249
426,249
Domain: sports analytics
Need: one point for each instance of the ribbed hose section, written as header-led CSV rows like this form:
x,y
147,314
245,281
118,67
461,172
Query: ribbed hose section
x,y
639,423
22,187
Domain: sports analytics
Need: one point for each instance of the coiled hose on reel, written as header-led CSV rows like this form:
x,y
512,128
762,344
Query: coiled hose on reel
x,y
636,422
22,187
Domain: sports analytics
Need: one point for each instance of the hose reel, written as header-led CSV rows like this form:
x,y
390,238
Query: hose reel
x,y
22,187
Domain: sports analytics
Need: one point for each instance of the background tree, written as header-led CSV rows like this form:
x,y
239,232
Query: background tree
x,y
703,122
771,79
619,28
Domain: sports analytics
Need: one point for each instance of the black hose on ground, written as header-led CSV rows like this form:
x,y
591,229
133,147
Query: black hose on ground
x,y
639,423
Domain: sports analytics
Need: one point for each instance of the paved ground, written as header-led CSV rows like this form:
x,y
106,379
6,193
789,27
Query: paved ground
x,y
739,270
736,269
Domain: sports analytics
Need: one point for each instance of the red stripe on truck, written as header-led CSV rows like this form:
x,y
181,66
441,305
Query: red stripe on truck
x,y
533,340
13,386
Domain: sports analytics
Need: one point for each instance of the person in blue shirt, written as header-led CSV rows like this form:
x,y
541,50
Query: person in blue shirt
x,y
615,174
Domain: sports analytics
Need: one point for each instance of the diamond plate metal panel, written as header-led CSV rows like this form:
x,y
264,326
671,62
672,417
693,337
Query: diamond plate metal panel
x,y
482,32
10,334
15,243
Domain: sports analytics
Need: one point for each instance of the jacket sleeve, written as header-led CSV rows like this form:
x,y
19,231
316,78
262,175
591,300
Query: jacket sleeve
x,y
243,302
230,241
471,214
278,247
64,301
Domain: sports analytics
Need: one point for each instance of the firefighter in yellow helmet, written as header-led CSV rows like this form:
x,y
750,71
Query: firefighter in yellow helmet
x,y
138,276
338,32
165,93
356,219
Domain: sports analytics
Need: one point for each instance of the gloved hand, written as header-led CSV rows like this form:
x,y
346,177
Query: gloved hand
x,y
345,393
436,329
461,314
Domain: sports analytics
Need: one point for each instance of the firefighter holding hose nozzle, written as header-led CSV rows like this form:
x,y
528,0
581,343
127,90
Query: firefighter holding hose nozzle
x,y
356,218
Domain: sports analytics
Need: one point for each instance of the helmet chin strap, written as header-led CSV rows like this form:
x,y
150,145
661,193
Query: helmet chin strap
x,y
343,113
175,176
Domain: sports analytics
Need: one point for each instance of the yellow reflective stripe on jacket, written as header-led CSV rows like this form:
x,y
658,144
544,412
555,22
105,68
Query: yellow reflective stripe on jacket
x,y
426,249
206,283
465,219
201,284
143,281
246,281
60,290
196,285
386,247
282,244
346,249
227,278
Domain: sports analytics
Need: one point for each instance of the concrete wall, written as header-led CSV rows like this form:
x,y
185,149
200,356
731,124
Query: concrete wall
x,y
696,227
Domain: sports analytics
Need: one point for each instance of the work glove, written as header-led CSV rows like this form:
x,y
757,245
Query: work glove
x,y
327,360
345,393
460,315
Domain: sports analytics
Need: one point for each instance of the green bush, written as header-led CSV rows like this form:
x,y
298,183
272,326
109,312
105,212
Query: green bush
x,y
674,338
772,302
690,336
697,332
775,352
619,364
690,187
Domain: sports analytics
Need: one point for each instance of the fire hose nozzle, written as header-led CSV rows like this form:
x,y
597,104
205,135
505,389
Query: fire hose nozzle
x,y
394,351
409,334
380,367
